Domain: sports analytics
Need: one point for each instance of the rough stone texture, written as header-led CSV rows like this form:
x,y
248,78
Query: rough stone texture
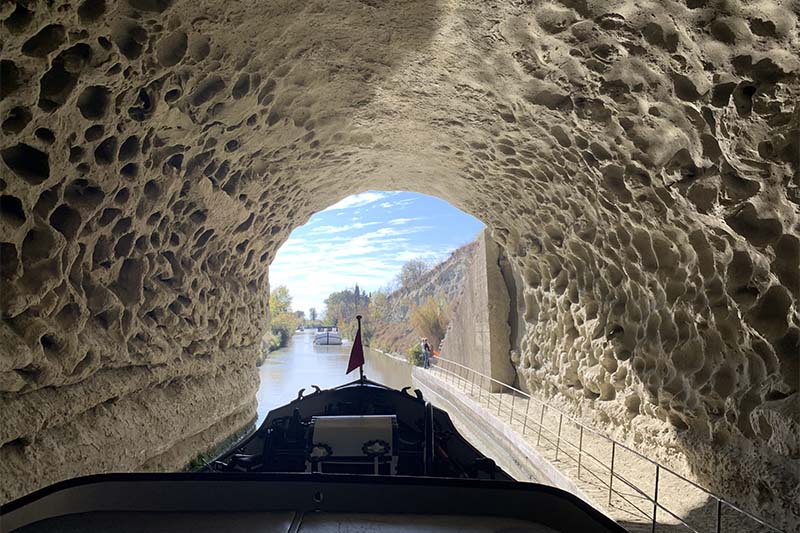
x,y
637,160
479,335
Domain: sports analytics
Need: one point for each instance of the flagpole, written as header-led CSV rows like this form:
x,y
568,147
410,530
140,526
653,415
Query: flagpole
x,y
361,367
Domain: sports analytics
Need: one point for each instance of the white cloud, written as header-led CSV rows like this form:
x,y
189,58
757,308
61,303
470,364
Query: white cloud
x,y
401,221
314,269
392,205
357,200
362,239
328,230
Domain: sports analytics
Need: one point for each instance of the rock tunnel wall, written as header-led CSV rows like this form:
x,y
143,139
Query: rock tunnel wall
x,y
638,161
478,334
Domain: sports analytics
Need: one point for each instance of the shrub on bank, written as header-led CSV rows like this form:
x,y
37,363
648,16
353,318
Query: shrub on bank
x,y
414,355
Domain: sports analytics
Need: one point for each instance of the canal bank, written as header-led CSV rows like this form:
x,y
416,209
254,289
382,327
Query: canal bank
x,y
490,435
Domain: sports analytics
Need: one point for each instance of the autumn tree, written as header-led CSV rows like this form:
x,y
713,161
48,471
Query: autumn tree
x,y
411,273
430,319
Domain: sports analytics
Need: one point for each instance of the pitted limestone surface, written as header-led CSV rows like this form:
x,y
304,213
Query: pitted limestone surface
x,y
638,161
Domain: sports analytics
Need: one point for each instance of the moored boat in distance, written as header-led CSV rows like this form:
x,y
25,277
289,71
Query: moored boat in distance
x,y
327,335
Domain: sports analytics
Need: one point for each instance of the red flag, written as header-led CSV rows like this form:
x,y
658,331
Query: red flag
x,y
357,352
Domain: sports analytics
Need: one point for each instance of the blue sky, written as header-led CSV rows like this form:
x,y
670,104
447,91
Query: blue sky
x,y
366,238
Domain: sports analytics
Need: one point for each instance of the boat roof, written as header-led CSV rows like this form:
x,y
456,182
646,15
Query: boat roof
x,y
298,502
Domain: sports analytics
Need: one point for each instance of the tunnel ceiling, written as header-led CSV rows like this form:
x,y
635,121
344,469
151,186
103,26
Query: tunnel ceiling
x,y
637,161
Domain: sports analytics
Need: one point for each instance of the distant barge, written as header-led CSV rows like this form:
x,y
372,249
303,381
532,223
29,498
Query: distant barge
x,y
327,335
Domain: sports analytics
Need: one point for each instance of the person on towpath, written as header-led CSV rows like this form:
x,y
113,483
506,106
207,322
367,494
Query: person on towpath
x,y
426,353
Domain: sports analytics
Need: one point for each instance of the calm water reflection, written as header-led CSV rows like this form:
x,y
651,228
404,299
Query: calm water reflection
x,y
302,364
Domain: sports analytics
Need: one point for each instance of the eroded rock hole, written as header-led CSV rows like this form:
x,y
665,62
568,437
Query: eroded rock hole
x,y
17,119
48,39
84,194
91,10
9,78
129,148
241,87
130,171
93,102
108,215
27,162
50,344
143,107
154,6
172,48
106,151
9,261
207,89
172,95
19,19
37,245
66,220
56,84
152,190
129,283
94,132
129,37
11,210
45,135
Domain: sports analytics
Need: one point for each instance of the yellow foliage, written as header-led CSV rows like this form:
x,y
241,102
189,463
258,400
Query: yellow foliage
x,y
430,319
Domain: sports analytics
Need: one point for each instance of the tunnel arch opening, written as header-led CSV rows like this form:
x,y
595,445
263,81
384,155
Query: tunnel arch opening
x,y
638,171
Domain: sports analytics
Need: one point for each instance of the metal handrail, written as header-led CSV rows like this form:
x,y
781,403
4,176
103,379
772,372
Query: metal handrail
x,y
562,415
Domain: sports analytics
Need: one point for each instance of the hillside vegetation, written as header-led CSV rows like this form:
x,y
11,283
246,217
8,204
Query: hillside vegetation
x,y
421,308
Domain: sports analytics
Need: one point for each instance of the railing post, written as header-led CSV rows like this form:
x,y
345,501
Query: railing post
x,y
480,388
511,418
580,452
525,420
655,499
471,382
719,515
558,440
541,419
611,479
500,400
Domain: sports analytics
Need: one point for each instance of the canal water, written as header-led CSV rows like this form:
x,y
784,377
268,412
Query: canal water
x,y
303,364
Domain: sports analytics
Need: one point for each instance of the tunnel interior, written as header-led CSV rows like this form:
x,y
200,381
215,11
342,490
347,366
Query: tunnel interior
x,y
638,164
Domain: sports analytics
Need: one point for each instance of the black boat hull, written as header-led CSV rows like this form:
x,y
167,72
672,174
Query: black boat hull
x,y
427,442
285,502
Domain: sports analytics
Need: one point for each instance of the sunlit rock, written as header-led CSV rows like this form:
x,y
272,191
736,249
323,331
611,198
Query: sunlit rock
x,y
638,163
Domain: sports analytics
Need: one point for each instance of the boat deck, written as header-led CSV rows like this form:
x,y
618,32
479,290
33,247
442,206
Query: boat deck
x,y
297,502
283,522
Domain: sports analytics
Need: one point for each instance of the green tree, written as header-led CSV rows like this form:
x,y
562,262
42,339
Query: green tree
x,y
283,320
341,308
280,301
312,314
